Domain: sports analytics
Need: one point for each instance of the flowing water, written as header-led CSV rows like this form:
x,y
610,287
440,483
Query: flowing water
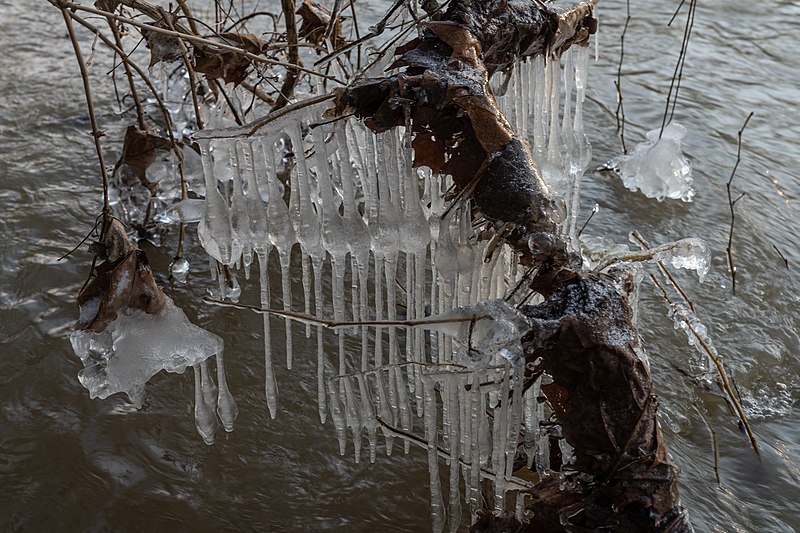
x,y
70,463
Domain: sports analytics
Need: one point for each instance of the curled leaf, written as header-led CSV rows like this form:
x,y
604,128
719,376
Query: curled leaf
x,y
123,281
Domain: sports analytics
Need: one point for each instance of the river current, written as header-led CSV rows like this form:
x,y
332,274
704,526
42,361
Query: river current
x,y
74,464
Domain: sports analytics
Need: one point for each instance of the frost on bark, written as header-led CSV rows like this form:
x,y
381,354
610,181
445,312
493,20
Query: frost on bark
x,y
621,477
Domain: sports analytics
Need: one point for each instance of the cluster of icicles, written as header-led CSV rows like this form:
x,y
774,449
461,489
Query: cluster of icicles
x,y
377,243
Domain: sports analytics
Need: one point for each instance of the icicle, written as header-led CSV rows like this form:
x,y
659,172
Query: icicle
x,y
208,386
553,169
430,419
227,410
353,415
240,222
321,400
476,410
332,232
385,410
542,453
203,416
454,398
306,222
514,423
360,248
215,230
500,438
581,152
520,507
531,422
281,235
368,415
339,421
271,387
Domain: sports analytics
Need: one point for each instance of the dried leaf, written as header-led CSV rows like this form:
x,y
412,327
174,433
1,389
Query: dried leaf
x,y
123,281
465,46
315,20
162,47
107,5
139,150
231,67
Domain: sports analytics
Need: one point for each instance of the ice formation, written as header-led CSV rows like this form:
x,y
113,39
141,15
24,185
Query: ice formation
x,y
657,167
137,345
376,243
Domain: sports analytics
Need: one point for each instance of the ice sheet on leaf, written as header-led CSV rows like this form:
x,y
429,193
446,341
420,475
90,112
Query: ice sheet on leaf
x,y
136,346
657,167
690,254
485,329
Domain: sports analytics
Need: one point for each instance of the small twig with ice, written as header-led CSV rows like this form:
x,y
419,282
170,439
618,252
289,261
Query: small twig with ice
x,y
732,203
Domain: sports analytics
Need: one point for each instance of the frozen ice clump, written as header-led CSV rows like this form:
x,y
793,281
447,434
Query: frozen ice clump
x,y
136,346
497,329
690,254
657,167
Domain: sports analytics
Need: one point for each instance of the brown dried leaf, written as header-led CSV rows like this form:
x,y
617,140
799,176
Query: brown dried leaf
x,y
314,22
428,151
162,47
139,150
231,67
107,5
123,281
465,46
491,128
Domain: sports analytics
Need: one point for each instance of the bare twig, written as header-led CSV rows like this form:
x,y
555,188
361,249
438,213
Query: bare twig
x,y
167,18
714,446
136,102
675,84
333,324
620,112
292,72
732,203
87,91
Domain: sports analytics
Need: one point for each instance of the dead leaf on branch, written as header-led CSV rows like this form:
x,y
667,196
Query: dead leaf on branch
x,y
231,67
315,22
107,5
139,151
123,281
162,47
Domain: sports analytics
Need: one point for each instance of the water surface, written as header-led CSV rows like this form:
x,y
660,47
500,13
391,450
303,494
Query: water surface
x,y
70,463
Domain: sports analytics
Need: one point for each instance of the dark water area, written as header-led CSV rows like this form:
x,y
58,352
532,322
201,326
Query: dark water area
x,y
68,463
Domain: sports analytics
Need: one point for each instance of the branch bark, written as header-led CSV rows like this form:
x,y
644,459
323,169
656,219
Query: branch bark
x,y
622,477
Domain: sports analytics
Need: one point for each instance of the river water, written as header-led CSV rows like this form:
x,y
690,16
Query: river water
x,y
70,463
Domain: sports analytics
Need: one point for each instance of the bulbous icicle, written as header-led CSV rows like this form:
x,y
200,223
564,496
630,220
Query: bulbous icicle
x,y
215,230
353,416
205,421
227,410
338,417
368,415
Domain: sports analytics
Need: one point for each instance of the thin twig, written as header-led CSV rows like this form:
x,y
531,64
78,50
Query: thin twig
x,y
732,203
87,91
334,324
678,73
292,72
620,112
714,445
136,102
644,244
167,18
